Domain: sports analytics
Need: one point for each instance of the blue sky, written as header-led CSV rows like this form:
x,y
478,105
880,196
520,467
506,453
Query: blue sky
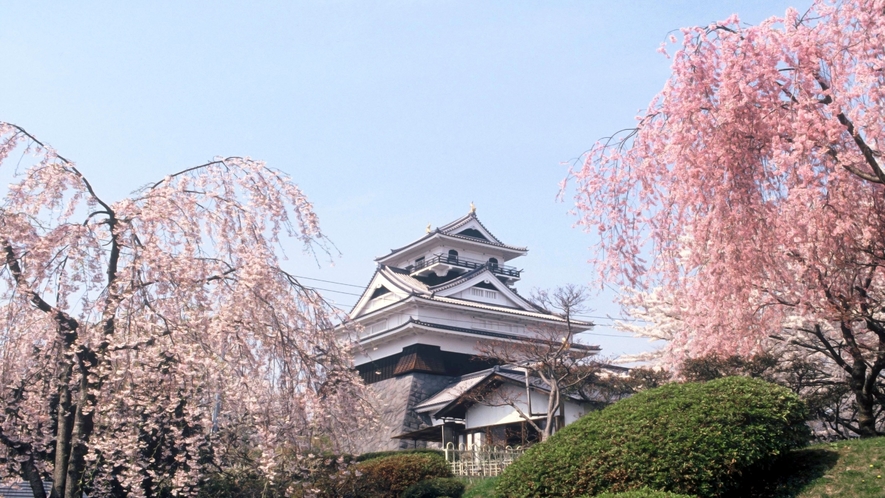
x,y
389,114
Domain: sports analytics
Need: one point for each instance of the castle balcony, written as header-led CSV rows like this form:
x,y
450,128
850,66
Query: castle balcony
x,y
441,264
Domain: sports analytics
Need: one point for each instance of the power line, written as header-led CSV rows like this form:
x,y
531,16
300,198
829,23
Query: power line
x,y
338,291
608,318
330,282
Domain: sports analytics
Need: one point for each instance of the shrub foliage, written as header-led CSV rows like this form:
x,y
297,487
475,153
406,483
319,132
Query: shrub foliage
x,y
445,487
643,493
688,438
389,476
378,454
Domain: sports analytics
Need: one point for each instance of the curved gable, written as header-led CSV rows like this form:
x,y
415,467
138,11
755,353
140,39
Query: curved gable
x,y
381,291
484,287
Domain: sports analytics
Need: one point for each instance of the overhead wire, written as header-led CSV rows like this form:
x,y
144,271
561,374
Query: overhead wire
x,y
330,281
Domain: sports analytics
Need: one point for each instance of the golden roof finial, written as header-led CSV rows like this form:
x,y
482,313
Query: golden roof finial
x,y
472,207
427,230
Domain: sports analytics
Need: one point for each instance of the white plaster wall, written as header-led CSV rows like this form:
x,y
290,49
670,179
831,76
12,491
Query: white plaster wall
x,y
447,341
480,415
574,411
484,296
381,301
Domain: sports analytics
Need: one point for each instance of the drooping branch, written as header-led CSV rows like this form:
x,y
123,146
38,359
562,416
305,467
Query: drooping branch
x,y
66,324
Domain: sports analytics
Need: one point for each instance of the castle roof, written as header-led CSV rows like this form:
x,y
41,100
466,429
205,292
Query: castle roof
x,y
406,287
467,229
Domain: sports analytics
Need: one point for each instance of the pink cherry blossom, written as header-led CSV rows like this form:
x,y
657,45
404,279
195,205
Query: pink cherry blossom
x,y
750,194
139,337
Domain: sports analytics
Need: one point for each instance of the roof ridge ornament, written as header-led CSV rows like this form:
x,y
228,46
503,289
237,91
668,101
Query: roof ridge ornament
x,y
427,230
472,208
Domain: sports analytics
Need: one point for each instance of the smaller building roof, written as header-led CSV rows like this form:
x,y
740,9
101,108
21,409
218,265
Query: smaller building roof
x,y
458,391
21,489
453,391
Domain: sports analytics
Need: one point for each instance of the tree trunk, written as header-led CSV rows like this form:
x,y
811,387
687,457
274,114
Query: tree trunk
x,y
866,420
866,416
857,377
64,419
29,470
82,429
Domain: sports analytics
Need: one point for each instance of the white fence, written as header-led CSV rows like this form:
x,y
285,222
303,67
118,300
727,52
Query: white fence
x,y
484,461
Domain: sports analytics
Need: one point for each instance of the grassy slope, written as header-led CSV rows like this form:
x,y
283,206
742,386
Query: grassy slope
x,y
480,488
851,469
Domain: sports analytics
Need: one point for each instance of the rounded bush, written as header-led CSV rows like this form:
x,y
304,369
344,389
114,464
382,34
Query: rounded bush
x,y
389,476
436,488
692,438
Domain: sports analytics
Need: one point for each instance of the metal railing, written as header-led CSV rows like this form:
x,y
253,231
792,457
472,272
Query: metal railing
x,y
510,271
480,461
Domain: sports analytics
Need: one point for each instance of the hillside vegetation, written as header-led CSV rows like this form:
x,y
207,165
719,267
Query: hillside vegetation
x,y
851,469
854,469
699,439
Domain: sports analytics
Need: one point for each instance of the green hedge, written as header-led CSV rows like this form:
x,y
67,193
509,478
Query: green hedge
x,y
389,476
379,454
643,493
692,438
436,488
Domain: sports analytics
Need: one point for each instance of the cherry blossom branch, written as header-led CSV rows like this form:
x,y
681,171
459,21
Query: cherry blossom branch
x,y
67,325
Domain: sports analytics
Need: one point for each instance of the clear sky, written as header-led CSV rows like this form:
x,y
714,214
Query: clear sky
x,y
389,114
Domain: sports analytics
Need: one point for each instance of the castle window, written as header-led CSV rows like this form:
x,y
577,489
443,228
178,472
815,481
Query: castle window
x,y
380,291
453,256
493,263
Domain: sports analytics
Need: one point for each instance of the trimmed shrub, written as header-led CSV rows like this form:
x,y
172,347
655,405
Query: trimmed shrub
x,y
692,438
643,493
389,476
379,454
240,484
436,488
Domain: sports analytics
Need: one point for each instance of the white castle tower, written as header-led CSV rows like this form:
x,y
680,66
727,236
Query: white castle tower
x,y
427,308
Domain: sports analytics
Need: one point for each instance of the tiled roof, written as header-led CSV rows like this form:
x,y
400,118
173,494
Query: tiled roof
x,y
450,228
503,309
489,242
460,386
451,392
21,489
453,328
412,321
404,278
477,332
427,292
447,231
461,278
453,225
417,286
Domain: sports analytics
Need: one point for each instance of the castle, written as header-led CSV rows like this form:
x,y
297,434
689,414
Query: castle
x,y
425,313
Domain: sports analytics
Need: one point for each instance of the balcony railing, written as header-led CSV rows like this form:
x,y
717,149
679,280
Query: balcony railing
x,y
463,263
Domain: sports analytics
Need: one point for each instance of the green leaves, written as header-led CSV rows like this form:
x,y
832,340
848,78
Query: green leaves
x,y
689,438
